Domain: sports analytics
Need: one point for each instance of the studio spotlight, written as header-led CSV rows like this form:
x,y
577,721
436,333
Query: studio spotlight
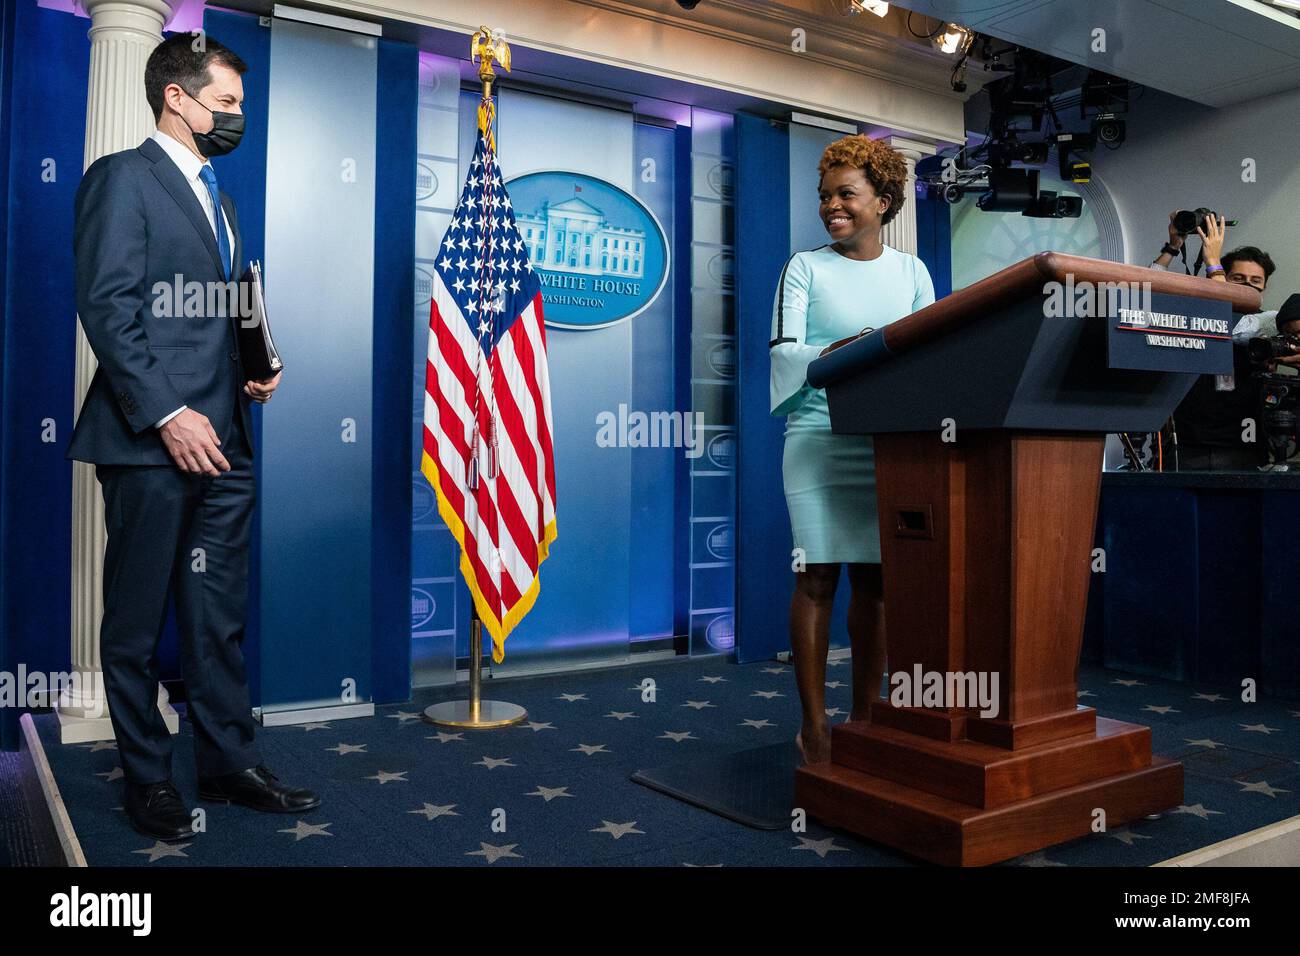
x,y
688,4
953,39
877,7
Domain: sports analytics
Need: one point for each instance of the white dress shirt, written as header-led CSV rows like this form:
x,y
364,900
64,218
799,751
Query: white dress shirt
x,y
190,165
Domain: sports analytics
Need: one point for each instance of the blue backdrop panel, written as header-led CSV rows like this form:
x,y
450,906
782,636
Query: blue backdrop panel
x,y
934,241
650,567
582,612
319,435
45,61
242,175
763,543
434,554
391,489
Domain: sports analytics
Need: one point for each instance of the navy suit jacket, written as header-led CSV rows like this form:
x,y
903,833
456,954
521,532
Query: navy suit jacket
x,y
140,231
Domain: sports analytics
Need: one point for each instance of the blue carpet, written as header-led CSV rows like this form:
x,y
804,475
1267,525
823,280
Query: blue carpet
x,y
555,791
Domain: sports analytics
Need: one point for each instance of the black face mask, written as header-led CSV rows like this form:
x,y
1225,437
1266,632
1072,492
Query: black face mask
x,y
227,130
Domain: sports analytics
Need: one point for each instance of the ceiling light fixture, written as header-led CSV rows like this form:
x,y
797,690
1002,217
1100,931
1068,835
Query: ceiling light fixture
x,y
953,39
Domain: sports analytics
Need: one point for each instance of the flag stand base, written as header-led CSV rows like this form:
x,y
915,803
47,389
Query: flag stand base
x,y
475,713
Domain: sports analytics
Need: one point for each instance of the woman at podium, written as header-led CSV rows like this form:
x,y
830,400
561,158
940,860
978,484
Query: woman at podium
x,y
826,297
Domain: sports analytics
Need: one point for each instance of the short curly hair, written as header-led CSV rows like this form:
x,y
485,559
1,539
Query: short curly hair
x,y
884,168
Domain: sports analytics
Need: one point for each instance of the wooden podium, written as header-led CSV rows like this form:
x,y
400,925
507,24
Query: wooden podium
x,y
986,544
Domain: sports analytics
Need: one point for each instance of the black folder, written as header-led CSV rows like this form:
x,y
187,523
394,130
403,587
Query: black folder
x,y
256,347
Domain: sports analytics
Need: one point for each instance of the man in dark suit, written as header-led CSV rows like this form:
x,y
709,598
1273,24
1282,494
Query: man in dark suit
x,y
166,423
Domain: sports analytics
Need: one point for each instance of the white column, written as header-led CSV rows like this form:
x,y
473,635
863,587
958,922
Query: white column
x,y
900,233
122,35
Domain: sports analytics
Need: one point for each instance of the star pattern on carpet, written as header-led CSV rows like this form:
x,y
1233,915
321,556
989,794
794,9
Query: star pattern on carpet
x,y
376,829
549,793
303,829
493,853
820,847
1260,786
617,830
161,850
1259,728
343,749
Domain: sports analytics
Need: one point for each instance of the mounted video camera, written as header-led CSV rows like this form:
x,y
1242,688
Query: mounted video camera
x,y
1264,349
1279,395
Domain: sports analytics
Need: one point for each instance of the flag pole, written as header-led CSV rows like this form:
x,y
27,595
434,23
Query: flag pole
x,y
476,713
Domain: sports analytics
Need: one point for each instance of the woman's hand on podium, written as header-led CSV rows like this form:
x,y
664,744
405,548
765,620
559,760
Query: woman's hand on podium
x,y
844,341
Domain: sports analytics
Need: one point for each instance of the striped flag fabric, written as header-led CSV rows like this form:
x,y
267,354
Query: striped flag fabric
x,y
487,403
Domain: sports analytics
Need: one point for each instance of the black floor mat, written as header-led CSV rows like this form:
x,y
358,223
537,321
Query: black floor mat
x,y
754,787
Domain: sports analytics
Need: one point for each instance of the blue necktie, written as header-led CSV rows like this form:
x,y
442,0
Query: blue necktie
x,y
209,178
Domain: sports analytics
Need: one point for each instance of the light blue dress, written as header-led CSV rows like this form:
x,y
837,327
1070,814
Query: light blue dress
x,y
830,480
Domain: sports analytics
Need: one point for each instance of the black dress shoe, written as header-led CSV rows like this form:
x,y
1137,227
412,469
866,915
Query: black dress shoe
x,y
257,788
157,810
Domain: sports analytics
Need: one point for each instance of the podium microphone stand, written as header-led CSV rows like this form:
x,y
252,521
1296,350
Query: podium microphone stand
x,y
475,713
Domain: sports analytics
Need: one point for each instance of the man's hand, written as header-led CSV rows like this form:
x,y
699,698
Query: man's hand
x,y
193,445
261,391
1212,237
1293,360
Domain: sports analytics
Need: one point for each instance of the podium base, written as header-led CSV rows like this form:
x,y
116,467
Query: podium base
x,y
458,713
1015,803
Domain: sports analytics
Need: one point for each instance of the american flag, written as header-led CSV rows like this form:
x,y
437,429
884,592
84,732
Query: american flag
x,y
487,402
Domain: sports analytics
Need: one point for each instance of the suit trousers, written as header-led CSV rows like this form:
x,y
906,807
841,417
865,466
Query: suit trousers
x,y
185,537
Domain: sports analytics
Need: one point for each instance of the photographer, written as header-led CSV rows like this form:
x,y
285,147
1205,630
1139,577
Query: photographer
x,y
1278,395
1207,430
